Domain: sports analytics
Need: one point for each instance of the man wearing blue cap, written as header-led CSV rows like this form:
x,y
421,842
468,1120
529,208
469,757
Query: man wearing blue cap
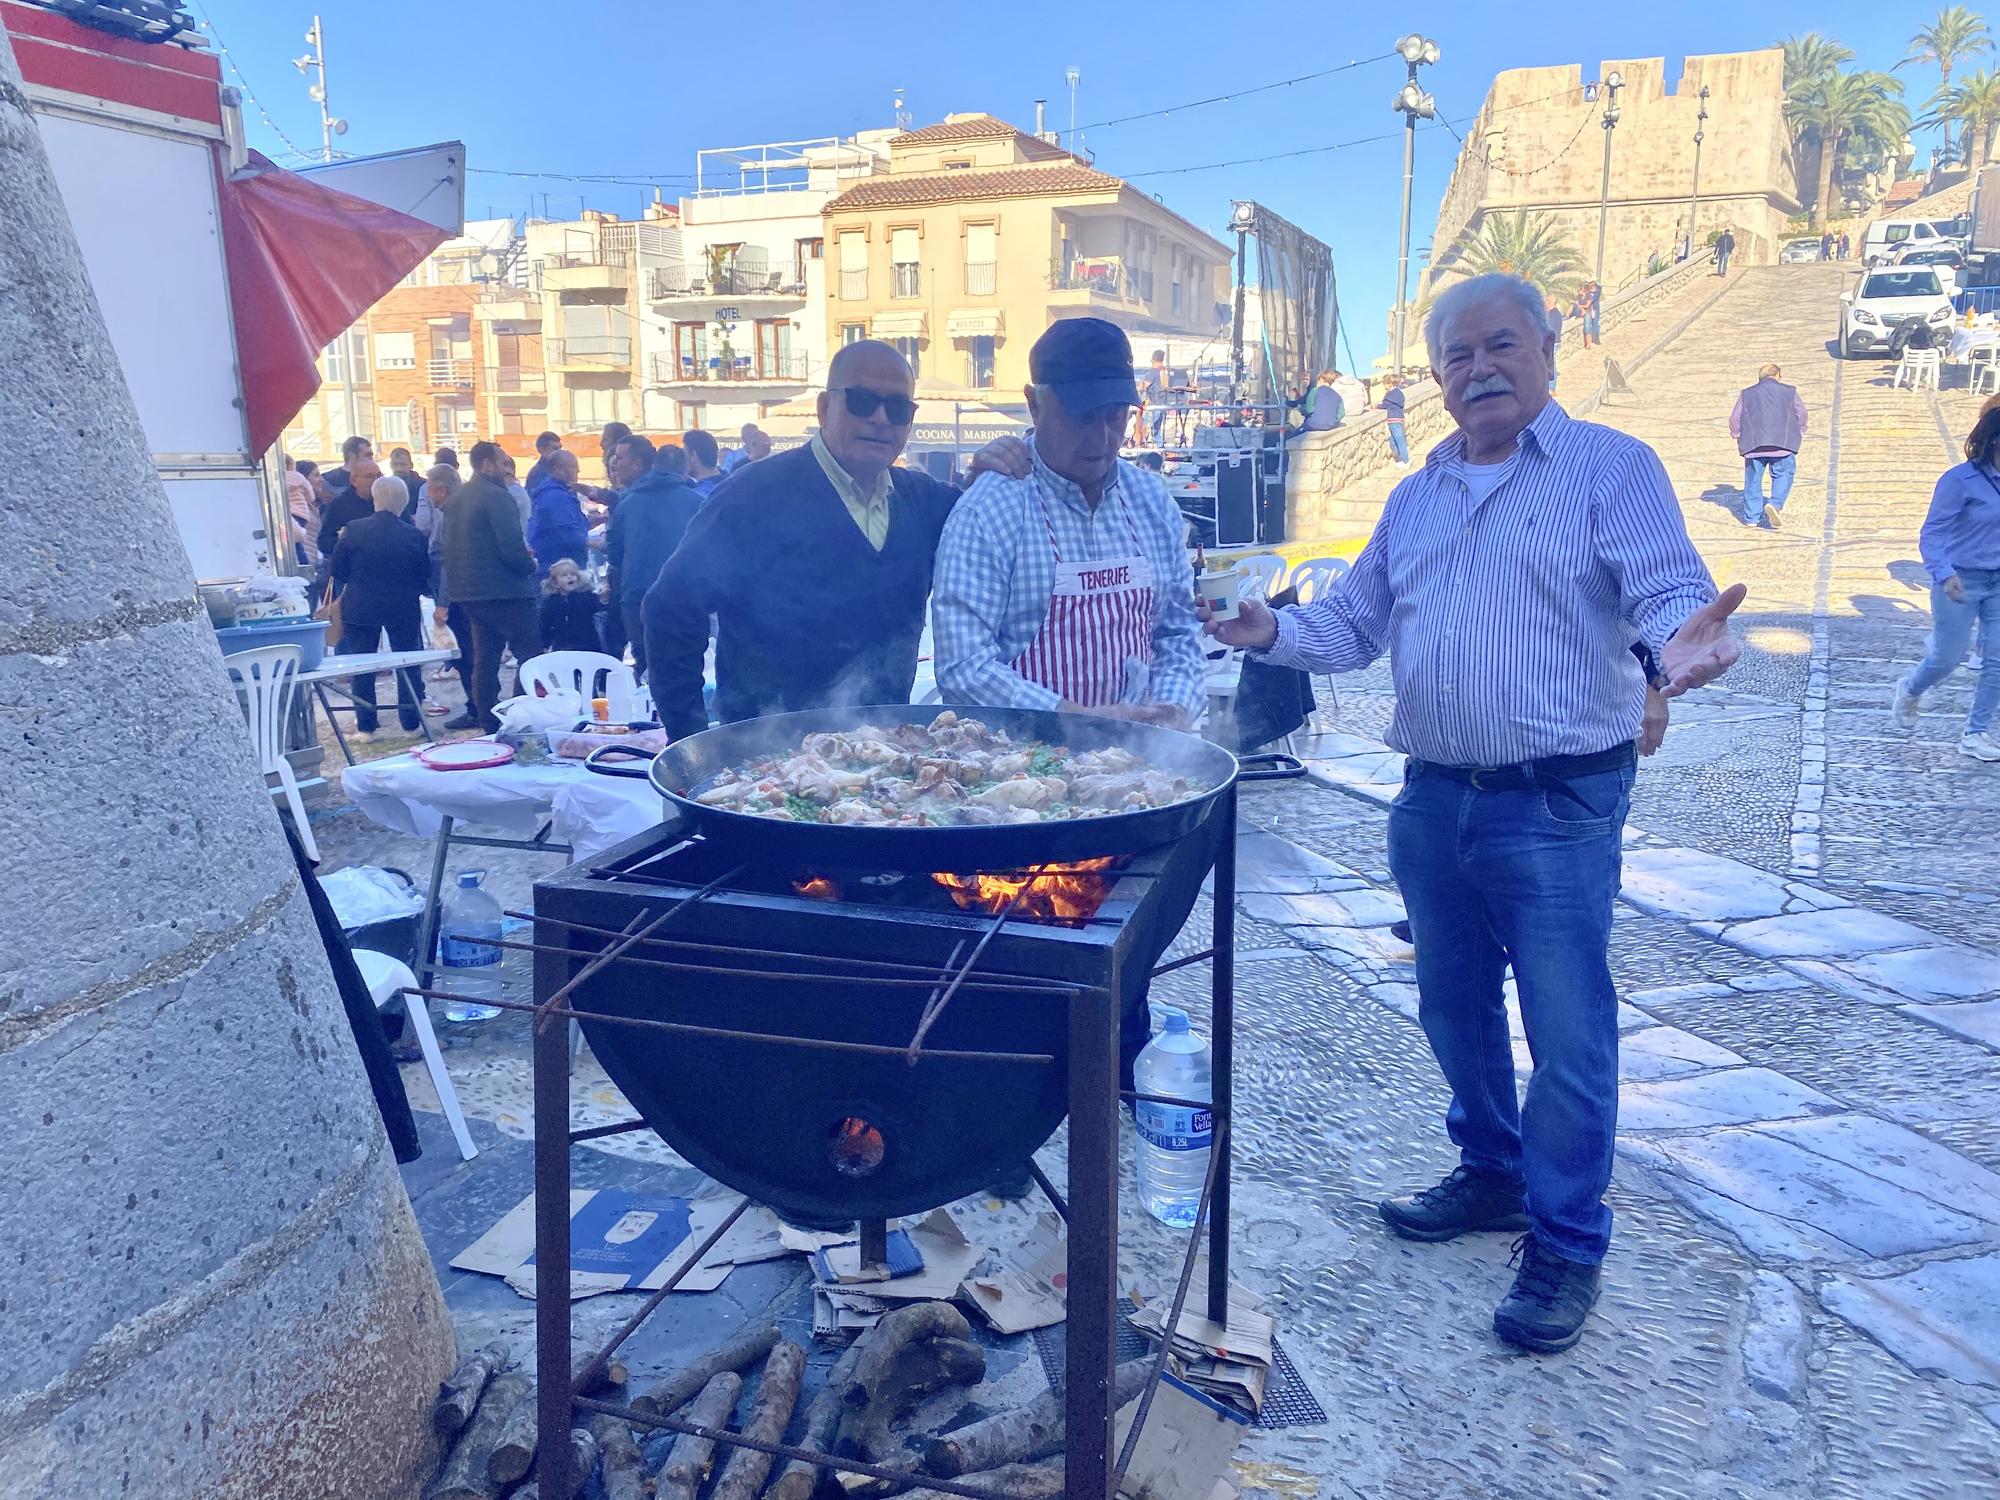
x,y
1070,588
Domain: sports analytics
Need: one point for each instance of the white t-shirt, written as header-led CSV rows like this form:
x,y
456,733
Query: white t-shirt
x,y
1481,478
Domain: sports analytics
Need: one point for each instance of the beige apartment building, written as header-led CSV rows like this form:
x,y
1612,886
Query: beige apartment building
x,y
979,235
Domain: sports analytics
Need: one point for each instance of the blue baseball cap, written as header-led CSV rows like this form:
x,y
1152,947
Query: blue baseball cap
x,y
1087,363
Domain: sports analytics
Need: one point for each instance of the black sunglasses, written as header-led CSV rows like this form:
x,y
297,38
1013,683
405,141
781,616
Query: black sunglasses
x,y
861,401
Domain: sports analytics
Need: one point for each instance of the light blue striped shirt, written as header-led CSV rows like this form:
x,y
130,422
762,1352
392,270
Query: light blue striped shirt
x,y
1509,620
996,570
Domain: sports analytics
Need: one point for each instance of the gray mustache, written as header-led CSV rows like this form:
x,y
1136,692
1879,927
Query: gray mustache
x,y
1492,385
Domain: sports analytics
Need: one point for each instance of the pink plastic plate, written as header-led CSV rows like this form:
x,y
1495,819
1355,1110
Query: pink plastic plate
x,y
466,755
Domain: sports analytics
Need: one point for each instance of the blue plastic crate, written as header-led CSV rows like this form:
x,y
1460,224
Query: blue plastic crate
x,y
308,635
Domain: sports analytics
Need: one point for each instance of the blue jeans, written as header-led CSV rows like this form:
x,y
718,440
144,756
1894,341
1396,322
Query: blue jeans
x,y
1722,262
1398,443
1527,876
1951,635
1782,470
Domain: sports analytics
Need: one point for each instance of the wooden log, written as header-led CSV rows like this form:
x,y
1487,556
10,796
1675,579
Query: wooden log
x,y
586,1460
687,1464
1022,1435
770,1414
612,1377
1016,1481
514,1452
665,1397
798,1479
464,1475
917,1351
624,1473
462,1388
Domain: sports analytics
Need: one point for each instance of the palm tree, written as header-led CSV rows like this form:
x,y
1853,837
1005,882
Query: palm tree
x,y
1810,60
1861,111
1529,248
1954,35
1975,104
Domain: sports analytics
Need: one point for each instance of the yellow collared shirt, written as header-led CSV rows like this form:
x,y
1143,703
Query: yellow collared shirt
x,y
870,509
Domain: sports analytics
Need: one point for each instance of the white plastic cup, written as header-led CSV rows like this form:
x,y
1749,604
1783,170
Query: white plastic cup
x,y
1218,591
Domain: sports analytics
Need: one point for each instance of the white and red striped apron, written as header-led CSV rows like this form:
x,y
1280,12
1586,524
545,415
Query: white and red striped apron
x,y
1100,617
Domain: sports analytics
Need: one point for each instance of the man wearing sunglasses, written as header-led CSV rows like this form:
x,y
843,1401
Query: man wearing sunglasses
x,y
815,564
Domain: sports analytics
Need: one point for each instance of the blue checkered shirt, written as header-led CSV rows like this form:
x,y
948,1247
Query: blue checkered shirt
x,y
1509,623
995,572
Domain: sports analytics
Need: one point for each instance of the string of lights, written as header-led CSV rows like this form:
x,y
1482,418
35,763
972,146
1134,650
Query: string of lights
x,y
249,93
1234,94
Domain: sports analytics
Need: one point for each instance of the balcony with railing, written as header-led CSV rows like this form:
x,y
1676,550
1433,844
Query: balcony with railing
x,y
1104,277
854,284
740,369
513,380
448,372
589,351
587,271
981,278
905,280
750,284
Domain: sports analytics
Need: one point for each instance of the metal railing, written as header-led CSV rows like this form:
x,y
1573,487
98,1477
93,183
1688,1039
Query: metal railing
x,y
513,380
590,349
904,279
854,285
448,371
588,260
1100,276
981,276
743,369
663,283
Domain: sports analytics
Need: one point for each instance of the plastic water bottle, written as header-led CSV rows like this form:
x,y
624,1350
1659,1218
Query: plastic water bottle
x,y
1174,1141
467,940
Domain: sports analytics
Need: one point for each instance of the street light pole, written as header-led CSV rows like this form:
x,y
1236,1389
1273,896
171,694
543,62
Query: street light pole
x,y
1411,102
1694,196
1612,84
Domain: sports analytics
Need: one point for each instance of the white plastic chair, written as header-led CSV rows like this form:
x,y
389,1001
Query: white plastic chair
x,y
1262,573
1921,367
1316,575
1984,363
573,675
387,978
267,676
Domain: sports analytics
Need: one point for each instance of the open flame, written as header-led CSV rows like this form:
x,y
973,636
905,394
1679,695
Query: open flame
x,y
817,888
1070,891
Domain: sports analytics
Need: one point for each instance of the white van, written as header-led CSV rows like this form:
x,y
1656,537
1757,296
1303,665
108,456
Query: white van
x,y
1886,236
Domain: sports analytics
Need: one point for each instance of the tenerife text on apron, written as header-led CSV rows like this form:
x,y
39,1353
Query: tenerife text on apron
x,y
1100,618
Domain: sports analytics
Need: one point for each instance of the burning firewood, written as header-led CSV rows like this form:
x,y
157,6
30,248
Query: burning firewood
x,y
687,1465
914,1352
460,1393
665,1397
770,1415
464,1475
586,1459
1021,1435
624,1473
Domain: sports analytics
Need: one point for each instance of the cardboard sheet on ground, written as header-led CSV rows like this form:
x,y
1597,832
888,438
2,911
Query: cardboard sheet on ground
x,y
1233,1363
948,1258
1030,1288
619,1241
1184,1448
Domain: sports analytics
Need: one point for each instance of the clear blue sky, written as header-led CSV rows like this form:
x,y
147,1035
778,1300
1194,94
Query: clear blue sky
x,y
637,87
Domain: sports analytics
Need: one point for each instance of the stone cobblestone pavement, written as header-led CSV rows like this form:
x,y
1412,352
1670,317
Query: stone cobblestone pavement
x,y
1803,1295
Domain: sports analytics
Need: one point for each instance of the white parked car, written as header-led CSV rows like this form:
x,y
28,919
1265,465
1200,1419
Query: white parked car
x,y
1885,237
1871,312
1945,260
1799,250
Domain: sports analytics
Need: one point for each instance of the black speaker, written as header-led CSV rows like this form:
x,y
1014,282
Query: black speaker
x,y
1236,499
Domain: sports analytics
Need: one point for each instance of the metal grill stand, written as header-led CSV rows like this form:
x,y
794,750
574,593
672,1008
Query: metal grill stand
x,y
1091,1210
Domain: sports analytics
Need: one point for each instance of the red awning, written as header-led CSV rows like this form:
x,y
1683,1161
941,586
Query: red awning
x,y
305,261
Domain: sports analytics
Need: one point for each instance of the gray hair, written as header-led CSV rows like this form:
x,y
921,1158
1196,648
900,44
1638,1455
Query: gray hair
x,y
1455,299
389,493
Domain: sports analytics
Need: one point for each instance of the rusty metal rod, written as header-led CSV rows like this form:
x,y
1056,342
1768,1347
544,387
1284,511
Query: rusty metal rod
x,y
598,1132
822,1044
626,939
1048,1189
937,1006
588,1375
1172,1326
1182,963
928,971
886,981
786,1451
1131,1097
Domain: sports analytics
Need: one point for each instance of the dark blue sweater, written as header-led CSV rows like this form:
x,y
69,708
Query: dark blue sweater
x,y
808,613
